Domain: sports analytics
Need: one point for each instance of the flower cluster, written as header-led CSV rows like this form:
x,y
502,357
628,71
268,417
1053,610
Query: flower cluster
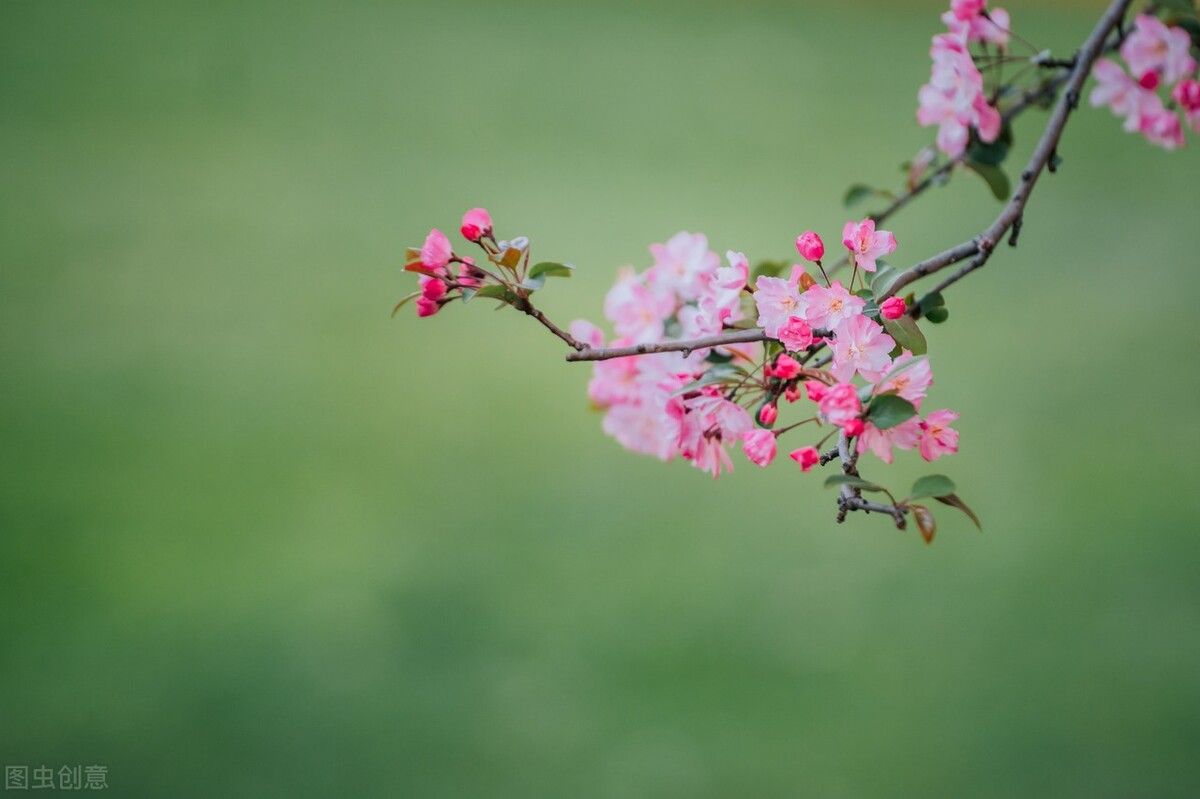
x,y
954,99
1159,59
697,405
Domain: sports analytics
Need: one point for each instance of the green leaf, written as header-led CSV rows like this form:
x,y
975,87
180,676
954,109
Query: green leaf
x,y
896,371
884,275
497,292
888,410
468,295
925,522
933,299
938,315
953,501
991,153
1187,6
550,269
932,485
856,194
906,334
852,481
412,254
994,176
405,301
766,269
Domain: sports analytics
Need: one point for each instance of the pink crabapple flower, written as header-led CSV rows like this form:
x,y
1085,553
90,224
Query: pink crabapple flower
x,y
637,310
759,446
807,457
707,423
1187,95
866,244
810,246
937,438
893,308
792,393
905,435
839,404
1161,126
587,333
436,251
860,345
777,300
1115,89
432,288
908,381
826,308
1154,47
476,224
815,390
853,428
967,9
786,368
795,334
682,265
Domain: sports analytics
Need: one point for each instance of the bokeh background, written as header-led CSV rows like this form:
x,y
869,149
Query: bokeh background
x,y
261,540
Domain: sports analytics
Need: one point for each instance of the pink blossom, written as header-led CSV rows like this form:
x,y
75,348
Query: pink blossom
x,y
637,310
840,404
893,308
615,382
993,28
967,9
768,413
786,368
827,307
853,428
792,393
708,424
909,381
427,307
860,345
706,318
436,252
905,435
807,457
937,438
778,300
1187,94
759,446
645,428
815,390
795,334
682,265
866,243
587,333
1162,127
727,283
1154,47
1115,89
476,224
810,246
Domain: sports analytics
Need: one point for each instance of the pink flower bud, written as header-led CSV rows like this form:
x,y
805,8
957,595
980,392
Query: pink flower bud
x,y
816,391
792,393
431,288
810,246
807,457
786,368
1187,94
768,414
893,308
966,9
1149,80
759,446
427,307
795,334
476,223
854,427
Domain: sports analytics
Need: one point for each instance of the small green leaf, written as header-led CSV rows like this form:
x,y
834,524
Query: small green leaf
x,y
953,501
991,153
938,315
852,481
933,299
766,269
994,176
856,194
721,373
884,275
932,485
925,522
550,269
496,291
468,294
906,334
405,301
1187,6
888,410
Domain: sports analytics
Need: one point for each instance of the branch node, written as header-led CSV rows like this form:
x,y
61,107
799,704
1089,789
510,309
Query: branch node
x,y
1016,230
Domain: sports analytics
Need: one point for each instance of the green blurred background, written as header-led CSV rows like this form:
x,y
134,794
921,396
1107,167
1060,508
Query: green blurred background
x,y
260,540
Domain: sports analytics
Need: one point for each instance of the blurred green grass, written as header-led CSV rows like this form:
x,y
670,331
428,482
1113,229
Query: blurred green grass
x,y
261,540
